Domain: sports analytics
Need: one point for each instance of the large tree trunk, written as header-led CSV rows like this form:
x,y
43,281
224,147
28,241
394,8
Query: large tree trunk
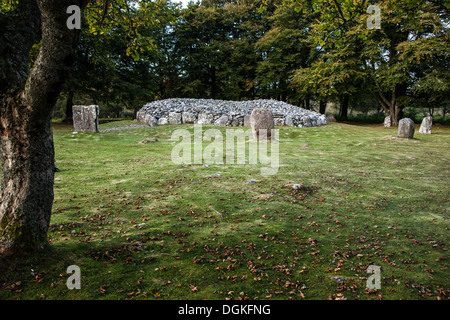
x,y
27,163
213,82
26,101
343,110
390,106
69,104
322,106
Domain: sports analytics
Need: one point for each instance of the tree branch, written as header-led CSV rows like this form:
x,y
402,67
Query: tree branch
x,y
380,98
19,32
105,12
340,11
55,57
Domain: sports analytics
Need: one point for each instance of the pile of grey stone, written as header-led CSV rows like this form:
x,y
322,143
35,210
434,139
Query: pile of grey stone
x,y
225,113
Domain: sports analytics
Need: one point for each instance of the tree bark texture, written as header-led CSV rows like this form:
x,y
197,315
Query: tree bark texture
x,y
343,110
322,106
68,112
27,98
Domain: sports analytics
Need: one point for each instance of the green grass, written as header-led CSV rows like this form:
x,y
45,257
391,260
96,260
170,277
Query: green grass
x,y
141,227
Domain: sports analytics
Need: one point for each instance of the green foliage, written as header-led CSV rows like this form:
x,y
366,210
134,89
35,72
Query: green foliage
x,y
115,53
8,5
407,57
133,52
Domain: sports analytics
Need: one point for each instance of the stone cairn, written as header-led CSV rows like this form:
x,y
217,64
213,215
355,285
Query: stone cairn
x,y
85,118
225,113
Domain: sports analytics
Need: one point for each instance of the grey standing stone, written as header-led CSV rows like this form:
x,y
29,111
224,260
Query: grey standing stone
x,y
140,115
279,121
205,118
425,126
236,122
406,128
247,120
222,121
388,122
151,120
174,118
163,121
188,117
261,121
85,118
288,121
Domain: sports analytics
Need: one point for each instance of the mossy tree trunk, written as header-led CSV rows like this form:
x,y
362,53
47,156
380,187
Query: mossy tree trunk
x,y
27,98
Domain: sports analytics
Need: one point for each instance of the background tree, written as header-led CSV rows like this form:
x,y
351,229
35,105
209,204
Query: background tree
x,y
285,48
378,59
116,54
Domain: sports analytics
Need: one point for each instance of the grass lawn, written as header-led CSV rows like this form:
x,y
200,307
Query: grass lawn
x,y
141,227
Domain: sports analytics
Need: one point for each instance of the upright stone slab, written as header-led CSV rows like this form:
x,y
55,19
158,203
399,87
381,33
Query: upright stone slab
x,y
222,121
425,126
174,118
150,120
262,123
279,121
85,118
188,117
205,118
406,128
388,122
288,121
162,121
247,120
140,115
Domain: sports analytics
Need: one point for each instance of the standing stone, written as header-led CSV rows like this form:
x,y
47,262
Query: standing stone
x,y
85,118
222,121
150,119
288,121
188,117
279,121
163,121
425,126
174,118
205,118
236,122
388,122
247,120
307,122
406,128
140,116
262,123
